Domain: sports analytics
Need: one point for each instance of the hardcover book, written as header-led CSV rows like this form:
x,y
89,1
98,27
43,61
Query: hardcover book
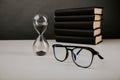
x,y
79,11
78,18
78,25
76,32
81,40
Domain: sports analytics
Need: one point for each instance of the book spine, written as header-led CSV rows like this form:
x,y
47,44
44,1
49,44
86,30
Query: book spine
x,y
81,40
77,18
80,12
76,32
77,25
75,11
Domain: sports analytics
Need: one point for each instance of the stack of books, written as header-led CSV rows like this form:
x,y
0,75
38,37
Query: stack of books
x,y
78,25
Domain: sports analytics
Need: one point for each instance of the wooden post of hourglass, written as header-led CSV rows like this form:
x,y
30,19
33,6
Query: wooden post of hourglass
x,y
40,45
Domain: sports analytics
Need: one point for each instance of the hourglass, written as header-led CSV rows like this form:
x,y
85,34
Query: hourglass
x,y
40,45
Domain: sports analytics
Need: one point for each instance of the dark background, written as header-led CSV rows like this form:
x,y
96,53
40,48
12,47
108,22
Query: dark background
x,y
16,16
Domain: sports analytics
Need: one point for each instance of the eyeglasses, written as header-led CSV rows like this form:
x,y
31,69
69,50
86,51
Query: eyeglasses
x,y
81,56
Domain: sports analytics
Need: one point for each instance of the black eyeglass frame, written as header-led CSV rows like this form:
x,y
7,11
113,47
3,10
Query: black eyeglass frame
x,y
94,52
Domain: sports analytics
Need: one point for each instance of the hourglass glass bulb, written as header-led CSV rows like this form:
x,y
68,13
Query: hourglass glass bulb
x,y
40,45
40,23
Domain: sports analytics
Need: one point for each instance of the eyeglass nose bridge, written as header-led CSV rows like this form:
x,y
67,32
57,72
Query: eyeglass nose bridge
x,y
70,48
71,51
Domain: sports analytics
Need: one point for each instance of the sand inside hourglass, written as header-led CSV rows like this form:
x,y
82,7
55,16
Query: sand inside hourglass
x,y
41,28
40,53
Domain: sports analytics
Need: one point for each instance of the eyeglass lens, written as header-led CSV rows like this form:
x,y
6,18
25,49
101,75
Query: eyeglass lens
x,y
81,57
60,53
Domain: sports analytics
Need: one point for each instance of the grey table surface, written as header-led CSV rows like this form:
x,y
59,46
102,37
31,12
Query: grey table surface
x,y
18,62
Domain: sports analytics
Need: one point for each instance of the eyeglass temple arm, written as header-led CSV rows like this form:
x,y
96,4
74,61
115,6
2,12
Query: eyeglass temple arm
x,y
79,51
77,54
95,52
99,55
57,45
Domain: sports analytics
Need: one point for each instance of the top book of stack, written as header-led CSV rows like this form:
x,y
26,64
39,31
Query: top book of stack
x,y
79,11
